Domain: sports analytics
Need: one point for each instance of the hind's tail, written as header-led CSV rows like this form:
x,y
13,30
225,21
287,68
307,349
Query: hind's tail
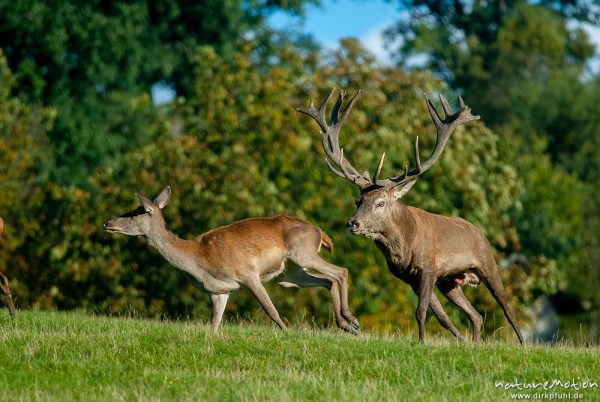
x,y
326,241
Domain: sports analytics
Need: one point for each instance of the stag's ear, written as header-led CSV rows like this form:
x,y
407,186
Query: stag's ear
x,y
163,198
402,189
148,205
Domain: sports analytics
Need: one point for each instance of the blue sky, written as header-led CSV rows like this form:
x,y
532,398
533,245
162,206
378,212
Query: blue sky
x,y
335,19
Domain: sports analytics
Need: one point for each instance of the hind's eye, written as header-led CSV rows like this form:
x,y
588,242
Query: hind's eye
x,y
381,204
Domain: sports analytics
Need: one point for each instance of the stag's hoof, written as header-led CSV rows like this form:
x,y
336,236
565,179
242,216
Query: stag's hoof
x,y
352,320
345,326
355,324
352,330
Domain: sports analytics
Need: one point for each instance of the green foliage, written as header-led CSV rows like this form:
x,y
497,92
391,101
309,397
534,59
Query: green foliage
x,y
94,63
65,356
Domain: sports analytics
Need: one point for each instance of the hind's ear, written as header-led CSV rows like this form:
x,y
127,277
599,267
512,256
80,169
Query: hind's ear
x,y
148,205
163,198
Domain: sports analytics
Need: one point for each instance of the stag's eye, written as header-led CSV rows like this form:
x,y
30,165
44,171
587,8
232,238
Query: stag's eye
x,y
357,203
381,204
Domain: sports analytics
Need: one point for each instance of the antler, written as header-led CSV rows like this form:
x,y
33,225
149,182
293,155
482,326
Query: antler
x,y
330,137
331,144
444,129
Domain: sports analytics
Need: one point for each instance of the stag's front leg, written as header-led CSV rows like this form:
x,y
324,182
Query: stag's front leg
x,y
443,318
440,313
426,282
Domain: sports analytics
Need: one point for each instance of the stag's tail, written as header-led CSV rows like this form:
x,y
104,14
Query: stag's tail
x,y
491,279
326,242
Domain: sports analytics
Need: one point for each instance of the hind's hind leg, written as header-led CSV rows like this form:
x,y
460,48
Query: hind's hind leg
x,y
304,251
300,278
334,273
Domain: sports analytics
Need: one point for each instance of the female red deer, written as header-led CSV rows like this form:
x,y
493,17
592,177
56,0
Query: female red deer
x,y
245,253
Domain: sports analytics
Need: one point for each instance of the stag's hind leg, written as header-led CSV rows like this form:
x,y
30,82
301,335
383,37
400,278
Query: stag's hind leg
x,y
300,278
457,297
490,276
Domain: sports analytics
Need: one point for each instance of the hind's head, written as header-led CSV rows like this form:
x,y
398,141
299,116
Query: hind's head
x,y
143,219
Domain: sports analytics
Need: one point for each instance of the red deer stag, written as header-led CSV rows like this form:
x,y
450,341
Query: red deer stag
x,y
421,248
245,253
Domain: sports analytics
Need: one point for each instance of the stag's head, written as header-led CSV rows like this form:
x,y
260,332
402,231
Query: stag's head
x,y
142,220
377,201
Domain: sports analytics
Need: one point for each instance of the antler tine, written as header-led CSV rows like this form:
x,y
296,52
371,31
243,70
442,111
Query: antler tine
x,y
349,106
337,121
323,107
447,109
417,157
343,165
334,170
433,112
334,134
378,170
335,112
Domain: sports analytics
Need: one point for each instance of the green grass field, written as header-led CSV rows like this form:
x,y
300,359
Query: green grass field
x,y
71,356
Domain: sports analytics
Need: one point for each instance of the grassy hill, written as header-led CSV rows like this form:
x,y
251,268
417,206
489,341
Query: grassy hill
x,y
70,356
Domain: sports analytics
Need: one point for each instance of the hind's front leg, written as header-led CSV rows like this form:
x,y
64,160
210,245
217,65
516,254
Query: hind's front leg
x,y
219,301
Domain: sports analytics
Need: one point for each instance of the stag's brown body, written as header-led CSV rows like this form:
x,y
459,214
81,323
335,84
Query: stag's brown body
x,y
246,253
415,238
421,248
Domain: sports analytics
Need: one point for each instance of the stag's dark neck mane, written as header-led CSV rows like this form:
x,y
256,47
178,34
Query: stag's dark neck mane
x,y
397,237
